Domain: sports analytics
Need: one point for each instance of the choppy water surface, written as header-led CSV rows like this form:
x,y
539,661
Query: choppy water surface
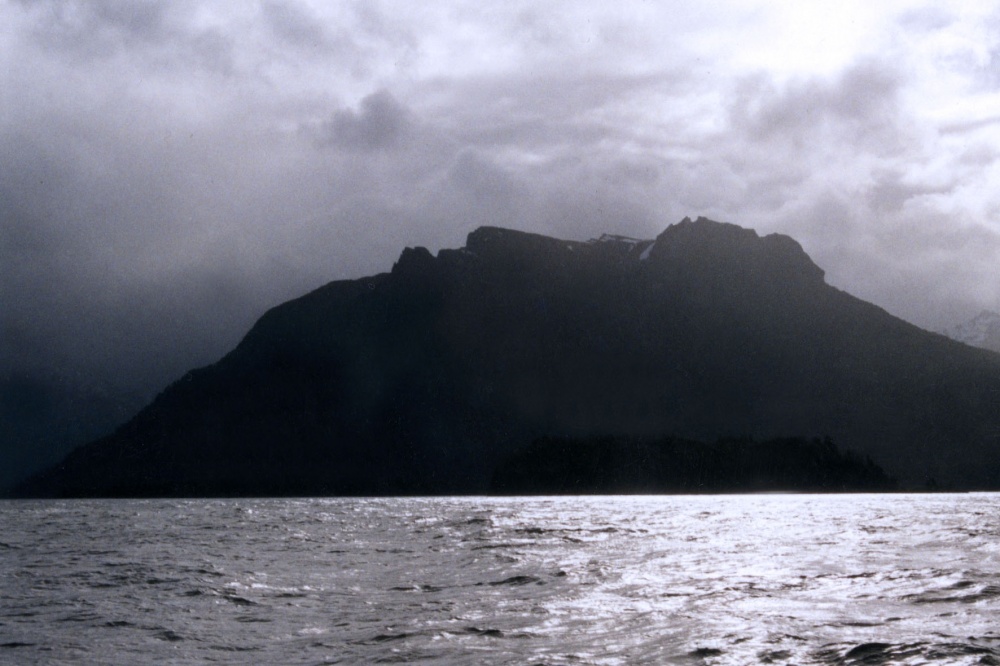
x,y
789,579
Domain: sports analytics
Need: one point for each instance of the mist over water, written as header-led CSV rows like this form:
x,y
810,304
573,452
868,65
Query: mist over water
x,y
769,579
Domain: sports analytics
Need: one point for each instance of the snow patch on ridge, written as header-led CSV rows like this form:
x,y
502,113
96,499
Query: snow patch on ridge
x,y
614,238
645,253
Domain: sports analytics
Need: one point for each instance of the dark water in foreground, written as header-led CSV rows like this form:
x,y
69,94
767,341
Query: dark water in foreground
x,y
779,579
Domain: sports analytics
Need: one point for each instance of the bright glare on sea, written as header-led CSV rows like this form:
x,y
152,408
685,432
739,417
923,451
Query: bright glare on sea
x,y
767,579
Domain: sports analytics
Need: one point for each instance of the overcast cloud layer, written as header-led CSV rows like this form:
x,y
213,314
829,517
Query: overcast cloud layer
x,y
169,169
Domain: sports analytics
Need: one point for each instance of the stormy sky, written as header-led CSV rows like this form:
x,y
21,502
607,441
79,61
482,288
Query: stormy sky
x,y
171,168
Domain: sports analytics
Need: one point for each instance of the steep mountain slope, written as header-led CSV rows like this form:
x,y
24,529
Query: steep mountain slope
x,y
424,379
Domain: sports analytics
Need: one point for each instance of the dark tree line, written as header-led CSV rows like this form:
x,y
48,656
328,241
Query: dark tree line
x,y
632,465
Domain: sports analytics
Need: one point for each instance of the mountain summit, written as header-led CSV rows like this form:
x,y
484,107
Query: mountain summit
x,y
425,379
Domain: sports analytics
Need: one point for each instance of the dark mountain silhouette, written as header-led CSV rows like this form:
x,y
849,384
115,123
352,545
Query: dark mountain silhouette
x,y
424,379
633,465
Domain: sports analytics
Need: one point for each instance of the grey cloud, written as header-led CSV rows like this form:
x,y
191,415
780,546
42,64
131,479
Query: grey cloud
x,y
354,43
892,247
380,123
102,261
931,267
483,180
212,51
991,72
861,105
99,28
988,74
567,197
969,126
927,18
979,156
578,175
866,90
889,193
143,20
294,25
529,23
548,108
157,34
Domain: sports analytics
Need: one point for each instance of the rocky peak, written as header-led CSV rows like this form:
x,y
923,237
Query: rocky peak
x,y
497,241
693,245
413,261
709,243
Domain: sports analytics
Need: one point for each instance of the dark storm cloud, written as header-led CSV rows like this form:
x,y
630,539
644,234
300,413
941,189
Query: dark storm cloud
x,y
99,247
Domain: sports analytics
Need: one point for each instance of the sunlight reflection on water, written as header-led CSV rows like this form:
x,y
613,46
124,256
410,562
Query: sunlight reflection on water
x,y
805,579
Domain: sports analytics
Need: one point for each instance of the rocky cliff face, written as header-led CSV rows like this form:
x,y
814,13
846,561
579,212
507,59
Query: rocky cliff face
x,y
423,379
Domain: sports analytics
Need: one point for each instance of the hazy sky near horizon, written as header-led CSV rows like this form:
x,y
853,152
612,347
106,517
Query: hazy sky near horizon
x,y
171,168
